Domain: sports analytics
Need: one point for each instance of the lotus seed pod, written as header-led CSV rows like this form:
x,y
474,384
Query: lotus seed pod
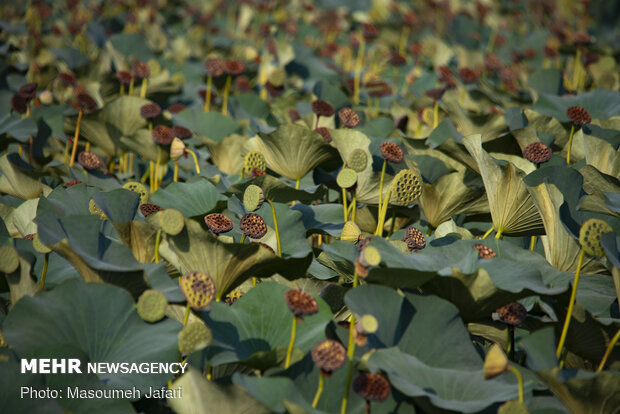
x,y
350,232
89,160
347,178
73,182
414,239
29,236
171,221
400,245
19,104
324,132
300,303
512,314
152,305
9,259
215,67
150,111
94,209
372,387
233,296
195,336
253,225
148,209
124,77
138,188
140,70
67,79
328,355
322,108
257,172
367,324
199,289
266,246
362,242
495,363
392,152
590,236
218,223
253,159
38,245
484,252
181,132
349,117
537,152
162,135
85,103
358,160
253,197
177,149
360,268
578,115
406,187
370,256
234,67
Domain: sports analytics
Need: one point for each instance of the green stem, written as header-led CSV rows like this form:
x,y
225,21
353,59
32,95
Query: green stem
x,y
571,303
610,347
176,171
275,225
319,390
344,203
350,356
225,95
532,242
499,234
186,316
242,238
289,351
570,143
436,115
208,94
193,154
488,232
354,208
520,379
75,139
297,184
576,69
143,88
44,271
381,183
358,71
157,242
393,224
382,213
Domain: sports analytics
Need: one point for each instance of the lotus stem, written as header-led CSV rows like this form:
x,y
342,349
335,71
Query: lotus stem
x,y
488,232
354,208
146,174
610,348
367,407
193,154
358,71
131,86
435,114
143,88
131,162
242,238
208,93
157,242
570,143
382,213
254,281
344,203
532,243
498,235
66,161
157,167
297,184
44,271
186,316
571,303
577,69
225,95
392,224
151,184
395,81
381,181
319,390
402,43
520,379
150,124
462,95
511,343
350,355
75,139
289,351
175,177
492,38
122,90
275,225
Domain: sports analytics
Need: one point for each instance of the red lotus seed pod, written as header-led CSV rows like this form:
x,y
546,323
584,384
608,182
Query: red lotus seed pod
x,y
484,252
369,31
72,183
175,108
324,132
147,209
150,111
29,90
360,269
294,115
362,242
162,135
273,89
215,67
19,104
372,387
415,239
328,355
537,152
435,93
582,39
182,132
391,152
242,84
85,103
253,225
397,59
468,75
257,172
415,49
322,108
300,303
124,77
140,70
234,67
66,79
378,89
89,160
349,117
578,115
492,63
512,314
218,223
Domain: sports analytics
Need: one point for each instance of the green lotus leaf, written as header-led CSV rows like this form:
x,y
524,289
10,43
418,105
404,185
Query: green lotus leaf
x,y
9,259
602,155
251,103
245,331
600,103
200,396
19,128
293,150
20,282
142,144
212,125
16,182
108,330
72,57
131,44
512,208
19,220
196,197
119,205
11,381
513,407
327,218
123,113
488,125
545,81
278,192
227,153
460,390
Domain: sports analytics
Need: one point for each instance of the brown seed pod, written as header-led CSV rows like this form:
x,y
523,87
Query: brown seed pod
x,y
175,108
294,115
322,108
445,74
512,314
233,296
414,239
124,77
66,79
30,236
29,90
300,303
468,75
492,63
215,67
578,115
273,89
243,85
391,152
369,30
89,160
253,225
537,152
72,183
349,117
257,172
182,132
378,89
150,111
372,387
218,223
266,246
484,252
397,59
324,132
435,93
360,269
162,135
582,39
328,355
147,209
234,67
19,104
85,103
362,242
140,70
199,289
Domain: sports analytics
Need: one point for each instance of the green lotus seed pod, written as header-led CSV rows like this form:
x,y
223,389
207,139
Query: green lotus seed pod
x,y
347,177
406,187
367,324
9,259
199,289
139,188
171,221
152,305
590,236
358,160
194,337
400,245
253,197
177,149
39,246
350,232
94,209
253,159
370,256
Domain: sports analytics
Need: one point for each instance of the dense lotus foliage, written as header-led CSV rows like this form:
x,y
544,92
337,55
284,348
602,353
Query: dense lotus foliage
x,y
347,206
